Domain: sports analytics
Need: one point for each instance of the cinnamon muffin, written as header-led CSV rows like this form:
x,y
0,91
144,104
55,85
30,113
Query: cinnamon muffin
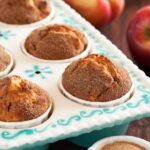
x,y
96,79
55,42
5,59
21,100
23,11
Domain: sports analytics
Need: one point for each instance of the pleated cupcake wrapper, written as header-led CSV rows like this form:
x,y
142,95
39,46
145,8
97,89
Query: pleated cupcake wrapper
x,y
82,55
9,67
27,124
46,20
100,144
111,103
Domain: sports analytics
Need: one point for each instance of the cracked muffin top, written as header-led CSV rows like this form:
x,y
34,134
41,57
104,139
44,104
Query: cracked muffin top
x,y
21,100
4,59
97,79
56,42
23,11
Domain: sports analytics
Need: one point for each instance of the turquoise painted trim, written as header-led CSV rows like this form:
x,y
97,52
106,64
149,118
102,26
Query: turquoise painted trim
x,y
6,34
8,136
80,132
38,71
63,122
144,100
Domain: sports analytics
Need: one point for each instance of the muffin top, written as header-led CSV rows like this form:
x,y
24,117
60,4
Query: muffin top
x,y
4,59
21,100
122,146
23,11
56,42
95,78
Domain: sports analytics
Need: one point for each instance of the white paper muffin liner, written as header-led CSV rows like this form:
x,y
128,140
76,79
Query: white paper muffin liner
x,y
37,23
27,124
9,67
115,102
81,55
100,144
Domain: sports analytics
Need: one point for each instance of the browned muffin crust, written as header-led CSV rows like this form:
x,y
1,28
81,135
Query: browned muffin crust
x,y
21,100
56,42
23,11
97,79
4,59
122,146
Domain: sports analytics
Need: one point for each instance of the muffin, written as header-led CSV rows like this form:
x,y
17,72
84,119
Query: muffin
x,y
95,78
21,100
55,42
5,59
23,11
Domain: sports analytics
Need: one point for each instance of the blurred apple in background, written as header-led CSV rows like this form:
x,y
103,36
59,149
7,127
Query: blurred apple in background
x,y
138,36
98,12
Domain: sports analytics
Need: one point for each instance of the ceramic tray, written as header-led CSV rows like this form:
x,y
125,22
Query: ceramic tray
x,y
69,119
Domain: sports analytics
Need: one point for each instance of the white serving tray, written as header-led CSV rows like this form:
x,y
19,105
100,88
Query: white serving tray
x,y
69,119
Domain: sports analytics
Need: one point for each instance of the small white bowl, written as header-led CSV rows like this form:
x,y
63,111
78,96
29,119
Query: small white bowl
x,y
37,23
9,67
27,124
97,104
81,55
100,144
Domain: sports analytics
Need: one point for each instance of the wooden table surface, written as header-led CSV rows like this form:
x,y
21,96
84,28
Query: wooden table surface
x,y
139,128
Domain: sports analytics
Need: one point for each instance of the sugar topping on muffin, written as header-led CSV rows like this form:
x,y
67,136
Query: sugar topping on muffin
x,y
95,78
23,11
21,100
56,42
5,59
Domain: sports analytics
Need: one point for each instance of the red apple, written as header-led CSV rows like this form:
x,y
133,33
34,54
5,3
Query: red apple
x,y
116,8
138,36
98,12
